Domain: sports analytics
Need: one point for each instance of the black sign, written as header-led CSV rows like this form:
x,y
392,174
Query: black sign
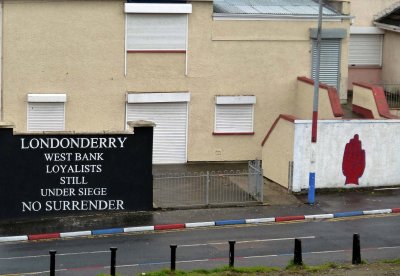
x,y
54,174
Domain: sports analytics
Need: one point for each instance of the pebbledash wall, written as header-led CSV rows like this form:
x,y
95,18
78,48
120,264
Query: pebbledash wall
x,y
340,158
77,49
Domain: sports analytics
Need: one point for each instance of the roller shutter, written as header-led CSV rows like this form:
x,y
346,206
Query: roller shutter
x,y
45,116
365,49
233,118
170,133
330,61
156,31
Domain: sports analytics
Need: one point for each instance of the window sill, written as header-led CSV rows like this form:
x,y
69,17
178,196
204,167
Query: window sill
x,y
365,66
232,133
156,51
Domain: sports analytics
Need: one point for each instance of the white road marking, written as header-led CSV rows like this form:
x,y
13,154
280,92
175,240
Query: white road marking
x,y
248,241
60,254
211,259
183,245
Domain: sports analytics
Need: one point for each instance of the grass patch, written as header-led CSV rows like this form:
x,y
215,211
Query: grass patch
x,y
311,268
225,270
321,268
395,261
165,272
291,266
290,269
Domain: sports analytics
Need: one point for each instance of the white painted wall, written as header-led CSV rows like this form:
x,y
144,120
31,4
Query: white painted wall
x,y
380,139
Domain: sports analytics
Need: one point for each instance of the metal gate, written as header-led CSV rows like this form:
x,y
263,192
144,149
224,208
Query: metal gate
x,y
210,188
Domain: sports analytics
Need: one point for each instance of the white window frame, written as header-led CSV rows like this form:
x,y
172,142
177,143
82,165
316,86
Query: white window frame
x,y
157,8
232,101
45,98
158,97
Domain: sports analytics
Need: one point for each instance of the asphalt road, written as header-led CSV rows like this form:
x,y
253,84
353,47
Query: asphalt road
x,y
262,244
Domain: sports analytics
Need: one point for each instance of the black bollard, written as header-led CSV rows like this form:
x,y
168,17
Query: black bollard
x,y
173,256
113,260
231,253
52,262
298,258
356,249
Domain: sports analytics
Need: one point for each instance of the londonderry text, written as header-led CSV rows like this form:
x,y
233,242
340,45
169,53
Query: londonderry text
x,y
73,143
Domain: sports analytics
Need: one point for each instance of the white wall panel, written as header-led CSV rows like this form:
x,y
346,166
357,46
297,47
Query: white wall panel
x,y
379,138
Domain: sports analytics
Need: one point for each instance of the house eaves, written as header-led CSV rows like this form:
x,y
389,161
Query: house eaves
x,y
219,16
273,10
388,27
389,19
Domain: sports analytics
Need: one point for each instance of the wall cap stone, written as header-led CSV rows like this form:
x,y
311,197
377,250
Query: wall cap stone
x,y
72,132
6,124
141,123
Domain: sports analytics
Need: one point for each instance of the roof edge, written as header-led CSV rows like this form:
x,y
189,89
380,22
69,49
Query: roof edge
x,y
281,16
387,11
387,27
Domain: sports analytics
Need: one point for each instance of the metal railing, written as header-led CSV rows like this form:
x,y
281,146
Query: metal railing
x,y
392,94
210,188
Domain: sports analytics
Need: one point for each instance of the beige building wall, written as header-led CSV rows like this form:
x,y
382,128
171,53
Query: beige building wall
x,y
304,102
391,58
77,48
364,98
257,58
71,47
277,152
365,10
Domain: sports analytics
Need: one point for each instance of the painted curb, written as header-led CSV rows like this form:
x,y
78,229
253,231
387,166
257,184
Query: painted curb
x,y
376,212
108,231
260,220
138,229
162,227
75,234
169,226
289,218
312,217
199,224
348,214
396,210
13,238
230,222
43,236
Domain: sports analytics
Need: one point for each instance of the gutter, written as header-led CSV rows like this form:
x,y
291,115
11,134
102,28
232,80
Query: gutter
x,y
388,27
227,16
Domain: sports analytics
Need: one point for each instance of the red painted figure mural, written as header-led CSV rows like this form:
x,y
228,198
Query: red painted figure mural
x,y
353,165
